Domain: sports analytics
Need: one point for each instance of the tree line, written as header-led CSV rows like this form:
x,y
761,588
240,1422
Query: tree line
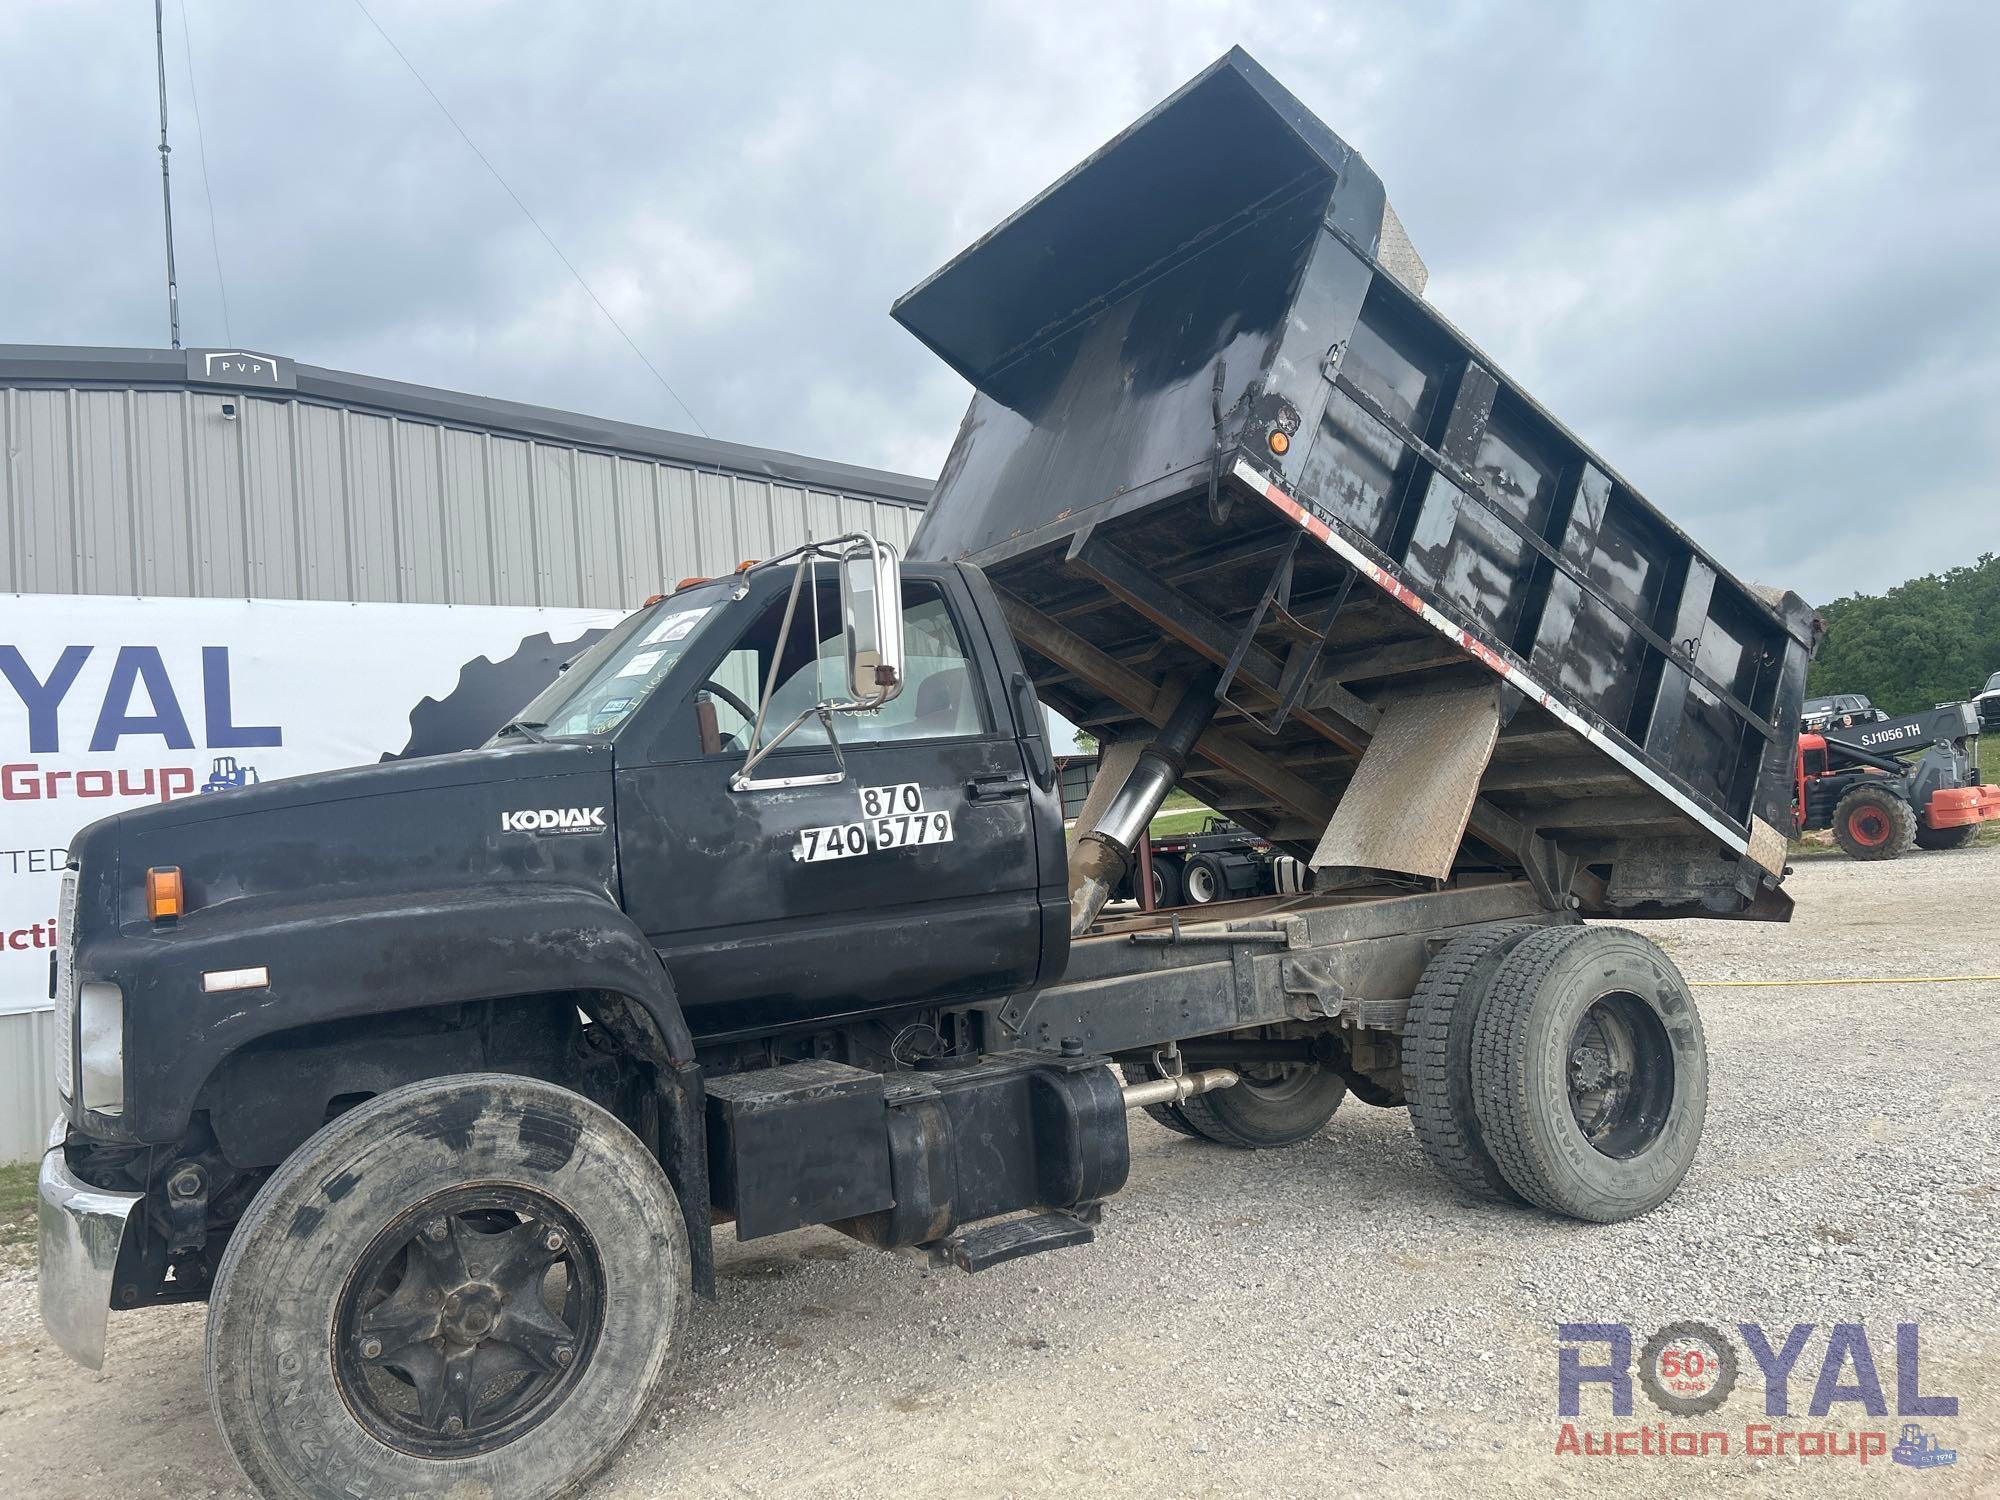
x,y
1934,639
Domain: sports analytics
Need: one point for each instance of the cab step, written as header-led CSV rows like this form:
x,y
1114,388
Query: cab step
x,y
1010,1239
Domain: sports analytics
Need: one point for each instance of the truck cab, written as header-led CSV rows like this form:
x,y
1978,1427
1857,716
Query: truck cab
x,y
698,838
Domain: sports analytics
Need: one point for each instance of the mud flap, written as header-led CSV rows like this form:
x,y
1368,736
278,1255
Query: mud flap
x,y
1406,810
684,1155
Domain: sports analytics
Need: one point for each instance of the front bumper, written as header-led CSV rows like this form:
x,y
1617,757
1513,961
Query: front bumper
x,y
82,1231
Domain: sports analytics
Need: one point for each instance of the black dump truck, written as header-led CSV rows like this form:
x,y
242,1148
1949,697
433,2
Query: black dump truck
x,y
436,1079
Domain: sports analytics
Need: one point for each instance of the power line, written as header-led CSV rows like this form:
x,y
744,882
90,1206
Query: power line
x,y
201,142
532,219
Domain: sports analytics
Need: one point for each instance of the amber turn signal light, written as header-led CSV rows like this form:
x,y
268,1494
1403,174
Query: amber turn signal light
x,y
163,893
1280,443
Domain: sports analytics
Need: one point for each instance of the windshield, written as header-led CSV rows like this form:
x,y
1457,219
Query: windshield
x,y
1818,706
599,690
1992,682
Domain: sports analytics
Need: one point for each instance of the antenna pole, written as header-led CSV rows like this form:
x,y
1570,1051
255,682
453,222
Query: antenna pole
x,y
166,181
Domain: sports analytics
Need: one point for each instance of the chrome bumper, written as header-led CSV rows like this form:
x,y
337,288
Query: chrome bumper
x,y
83,1229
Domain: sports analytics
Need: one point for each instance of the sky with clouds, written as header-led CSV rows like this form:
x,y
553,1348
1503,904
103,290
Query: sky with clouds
x,y
1749,251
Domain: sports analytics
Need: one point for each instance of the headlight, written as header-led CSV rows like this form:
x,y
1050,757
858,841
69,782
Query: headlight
x,y
101,1035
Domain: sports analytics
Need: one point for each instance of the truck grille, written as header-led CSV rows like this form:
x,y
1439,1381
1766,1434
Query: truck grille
x,y
65,1017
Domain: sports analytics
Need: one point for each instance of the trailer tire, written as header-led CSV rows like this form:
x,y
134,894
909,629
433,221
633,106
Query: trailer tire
x,y
1166,883
1437,1061
1167,1116
1204,881
502,1189
1946,838
1569,1012
1872,822
1260,1114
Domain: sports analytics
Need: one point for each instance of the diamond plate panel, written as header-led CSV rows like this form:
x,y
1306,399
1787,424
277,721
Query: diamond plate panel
x,y
1406,809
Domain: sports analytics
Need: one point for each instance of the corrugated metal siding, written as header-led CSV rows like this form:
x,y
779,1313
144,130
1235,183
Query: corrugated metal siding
x,y
156,492
131,491
27,1083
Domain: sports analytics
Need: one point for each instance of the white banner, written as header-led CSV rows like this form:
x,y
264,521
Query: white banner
x,y
111,703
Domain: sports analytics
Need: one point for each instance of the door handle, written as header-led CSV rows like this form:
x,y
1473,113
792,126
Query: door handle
x,y
995,788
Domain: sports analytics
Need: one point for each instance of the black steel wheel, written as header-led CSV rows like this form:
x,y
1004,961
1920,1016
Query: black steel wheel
x,y
1590,1072
471,1284
467,1320
1166,884
1872,822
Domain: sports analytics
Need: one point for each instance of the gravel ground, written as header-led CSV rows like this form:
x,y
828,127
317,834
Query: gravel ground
x,y
1327,1320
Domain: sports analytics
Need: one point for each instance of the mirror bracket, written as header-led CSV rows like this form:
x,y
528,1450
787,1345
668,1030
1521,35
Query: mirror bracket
x,y
884,577
743,781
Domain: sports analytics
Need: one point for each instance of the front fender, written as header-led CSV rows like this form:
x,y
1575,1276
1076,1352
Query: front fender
x,y
351,957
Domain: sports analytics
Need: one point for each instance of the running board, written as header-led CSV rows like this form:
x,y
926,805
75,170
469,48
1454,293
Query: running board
x,y
1010,1239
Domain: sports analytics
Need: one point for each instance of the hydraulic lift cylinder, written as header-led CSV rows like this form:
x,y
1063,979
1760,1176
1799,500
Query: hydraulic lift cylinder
x,y
1103,854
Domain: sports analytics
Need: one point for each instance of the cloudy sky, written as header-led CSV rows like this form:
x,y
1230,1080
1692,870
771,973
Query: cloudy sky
x,y
1749,251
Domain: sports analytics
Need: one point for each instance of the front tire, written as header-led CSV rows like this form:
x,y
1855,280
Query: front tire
x,y
1871,822
465,1285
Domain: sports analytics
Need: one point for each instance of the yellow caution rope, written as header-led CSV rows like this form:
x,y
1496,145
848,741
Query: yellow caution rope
x,y
1761,984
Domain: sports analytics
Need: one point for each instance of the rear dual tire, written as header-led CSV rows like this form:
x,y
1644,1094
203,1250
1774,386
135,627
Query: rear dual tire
x,y
1437,1061
1560,1066
1590,1072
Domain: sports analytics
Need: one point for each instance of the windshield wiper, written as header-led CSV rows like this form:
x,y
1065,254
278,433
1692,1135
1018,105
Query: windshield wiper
x,y
528,729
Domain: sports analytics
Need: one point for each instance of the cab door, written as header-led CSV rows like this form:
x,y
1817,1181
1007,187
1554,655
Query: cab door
x,y
902,870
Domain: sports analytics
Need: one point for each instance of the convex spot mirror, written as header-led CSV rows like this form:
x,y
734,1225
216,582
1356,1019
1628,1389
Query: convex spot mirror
x,y
871,606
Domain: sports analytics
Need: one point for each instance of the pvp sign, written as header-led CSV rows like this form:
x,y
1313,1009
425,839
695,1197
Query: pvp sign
x,y
111,703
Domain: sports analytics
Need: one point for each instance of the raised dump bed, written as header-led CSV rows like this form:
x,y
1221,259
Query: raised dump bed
x,y
1218,446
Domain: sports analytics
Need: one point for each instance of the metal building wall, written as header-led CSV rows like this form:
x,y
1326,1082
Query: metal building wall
x,y
27,1083
121,475
158,492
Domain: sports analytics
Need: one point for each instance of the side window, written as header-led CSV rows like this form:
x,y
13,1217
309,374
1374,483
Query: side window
x,y
941,694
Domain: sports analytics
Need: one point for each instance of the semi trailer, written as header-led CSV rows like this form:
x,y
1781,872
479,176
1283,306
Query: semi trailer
x,y
438,1079
1218,861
